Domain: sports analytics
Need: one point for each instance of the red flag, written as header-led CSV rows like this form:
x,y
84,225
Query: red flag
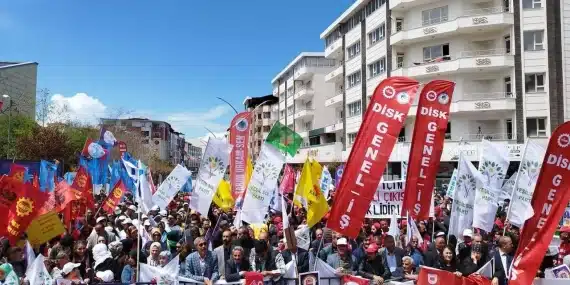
x,y
83,184
110,204
550,198
432,276
65,194
9,187
239,138
150,181
476,280
36,181
253,278
30,200
353,279
426,148
18,172
288,181
374,143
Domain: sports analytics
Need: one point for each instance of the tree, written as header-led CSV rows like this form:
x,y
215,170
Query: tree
x,y
18,125
47,143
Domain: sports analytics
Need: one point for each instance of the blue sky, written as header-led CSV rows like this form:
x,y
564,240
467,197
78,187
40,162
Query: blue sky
x,y
167,60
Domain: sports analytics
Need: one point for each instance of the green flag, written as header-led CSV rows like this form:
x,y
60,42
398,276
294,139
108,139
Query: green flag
x,y
284,138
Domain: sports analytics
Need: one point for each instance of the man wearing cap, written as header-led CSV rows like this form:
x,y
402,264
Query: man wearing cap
x,y
373,267
131,212
464,248
70,271
343,260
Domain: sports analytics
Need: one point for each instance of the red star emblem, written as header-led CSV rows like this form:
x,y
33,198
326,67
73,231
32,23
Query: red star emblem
x,y
317,191
286,140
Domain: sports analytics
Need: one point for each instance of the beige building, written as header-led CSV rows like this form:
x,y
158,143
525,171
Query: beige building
x,y
263,118
19,82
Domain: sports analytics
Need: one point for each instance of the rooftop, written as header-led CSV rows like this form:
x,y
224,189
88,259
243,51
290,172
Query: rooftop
x,y
344,16
7,64
295,61
252,102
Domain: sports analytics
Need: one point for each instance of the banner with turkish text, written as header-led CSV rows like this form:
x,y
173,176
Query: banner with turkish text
x,y
549,202
114,197
371,150
432,117
387,200
239,138
25,209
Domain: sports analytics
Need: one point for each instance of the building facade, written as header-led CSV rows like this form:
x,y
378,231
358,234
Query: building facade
x,y
507,59
19,82
193,157
303,91
158,135
264,114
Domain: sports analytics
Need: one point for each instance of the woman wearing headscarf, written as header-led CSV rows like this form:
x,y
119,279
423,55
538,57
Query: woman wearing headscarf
x,y
116,249
164,257
7,275
103,260
153,258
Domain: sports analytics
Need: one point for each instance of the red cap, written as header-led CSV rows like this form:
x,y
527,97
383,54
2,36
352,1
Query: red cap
x,y
372,248
377,226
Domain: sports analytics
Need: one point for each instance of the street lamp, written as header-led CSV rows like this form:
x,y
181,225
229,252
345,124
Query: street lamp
x,y
6,96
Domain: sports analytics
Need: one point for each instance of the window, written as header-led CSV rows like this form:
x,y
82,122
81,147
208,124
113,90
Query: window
x,y
290,110
373,6
145,133
532,4
536,127
351,138
434,16
534,82
266,115
533,40
448,131
266,129
353,50
354,108
399,24
308,125
436,52
259,116
377,67
282,113
377,35
508,87
309,105
508,44
353,79
400,60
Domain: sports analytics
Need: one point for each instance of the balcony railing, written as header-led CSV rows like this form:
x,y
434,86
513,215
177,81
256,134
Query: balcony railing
x,y
319,145
479,53
435,21
469,137
488,95
484,11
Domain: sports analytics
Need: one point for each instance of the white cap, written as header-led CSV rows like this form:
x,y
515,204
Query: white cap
x,y
133,207
154,208
468,233
143,216
127,221
163,213
146,223
68,267
100,219
341,241
120,218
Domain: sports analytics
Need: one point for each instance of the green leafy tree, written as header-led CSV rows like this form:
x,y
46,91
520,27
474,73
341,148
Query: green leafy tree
x,y
49,143
19,126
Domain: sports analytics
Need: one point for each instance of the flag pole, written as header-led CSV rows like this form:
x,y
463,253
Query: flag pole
x,y
454,204
516,184
140,227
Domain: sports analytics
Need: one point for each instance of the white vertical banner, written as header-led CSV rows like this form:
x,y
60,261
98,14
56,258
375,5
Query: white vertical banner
x,y
168,189
212,170
262,184
326,180
468,179
493,166
521,209
37,273
452,184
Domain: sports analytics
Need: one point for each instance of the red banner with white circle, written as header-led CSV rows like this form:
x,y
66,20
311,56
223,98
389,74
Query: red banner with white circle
x,y
239,138
370,153
549,201
427,146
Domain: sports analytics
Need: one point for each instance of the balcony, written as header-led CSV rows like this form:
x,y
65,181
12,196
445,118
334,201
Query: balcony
x,y
327,152
334,127
334,75
303,73
403,5
477,102
465,62
334,100
472,21
304,113
304,93
334,50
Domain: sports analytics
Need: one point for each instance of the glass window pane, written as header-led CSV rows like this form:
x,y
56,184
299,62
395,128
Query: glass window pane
x,y
539,80
541,124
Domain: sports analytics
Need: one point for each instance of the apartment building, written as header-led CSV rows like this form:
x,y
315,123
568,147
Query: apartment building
x,y
507,60
18,81
264,114
303,90
193,157
158,135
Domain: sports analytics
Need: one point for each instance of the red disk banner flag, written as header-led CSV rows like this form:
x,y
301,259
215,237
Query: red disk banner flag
x,y
239,138
432,276
371,150
427,146
83,184
550,199
115,195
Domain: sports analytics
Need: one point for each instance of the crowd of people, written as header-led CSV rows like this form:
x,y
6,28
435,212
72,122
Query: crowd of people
x,y
106,247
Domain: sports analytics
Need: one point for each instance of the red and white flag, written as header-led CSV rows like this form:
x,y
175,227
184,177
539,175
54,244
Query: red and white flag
x,y
549,201
239,139
288,181
374,143
426,148
432,276
353,280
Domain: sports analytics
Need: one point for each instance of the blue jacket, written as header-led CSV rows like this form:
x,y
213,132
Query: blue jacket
x,y
194,271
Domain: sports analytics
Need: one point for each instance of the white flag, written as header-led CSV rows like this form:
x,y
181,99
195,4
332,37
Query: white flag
x,y
168,189
468,178
487,269
493,166
262,184
212,169
30,255
37,274
167,275
394,230
144,187
326,180
521,209
452,184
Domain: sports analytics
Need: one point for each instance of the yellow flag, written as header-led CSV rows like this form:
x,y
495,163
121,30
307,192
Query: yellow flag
x,y
258,229
223,197
309,193
248,171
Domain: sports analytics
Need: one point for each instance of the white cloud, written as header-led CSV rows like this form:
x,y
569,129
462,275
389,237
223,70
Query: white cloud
x,y
191,123
79,107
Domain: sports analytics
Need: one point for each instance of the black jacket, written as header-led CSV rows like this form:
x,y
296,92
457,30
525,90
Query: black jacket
x,y
302,259
431,257
232,271
377,267
269,262
500,272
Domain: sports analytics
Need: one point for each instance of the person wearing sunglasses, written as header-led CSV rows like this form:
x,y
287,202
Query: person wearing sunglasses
x,y
202,265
